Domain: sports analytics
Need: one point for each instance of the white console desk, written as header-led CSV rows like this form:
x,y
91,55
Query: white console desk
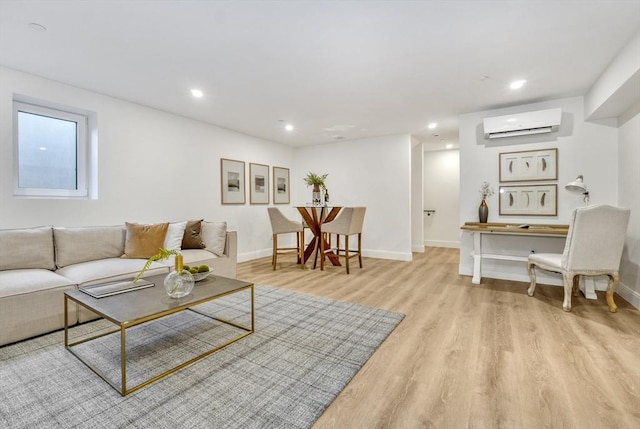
x,y
479,229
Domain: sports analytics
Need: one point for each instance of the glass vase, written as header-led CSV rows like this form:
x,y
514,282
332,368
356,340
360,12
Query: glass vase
x,y
316,196
179,283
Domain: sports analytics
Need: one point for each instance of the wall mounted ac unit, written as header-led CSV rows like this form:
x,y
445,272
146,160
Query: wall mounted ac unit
x,y
522,124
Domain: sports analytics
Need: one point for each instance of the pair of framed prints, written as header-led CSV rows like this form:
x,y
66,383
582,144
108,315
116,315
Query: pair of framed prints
x,y
529,199
232,183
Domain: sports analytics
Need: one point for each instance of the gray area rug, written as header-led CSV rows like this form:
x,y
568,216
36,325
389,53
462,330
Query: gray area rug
x,y
303,353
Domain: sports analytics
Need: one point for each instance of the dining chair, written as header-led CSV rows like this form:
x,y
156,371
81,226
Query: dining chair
x,y
348,222
593,248
281,225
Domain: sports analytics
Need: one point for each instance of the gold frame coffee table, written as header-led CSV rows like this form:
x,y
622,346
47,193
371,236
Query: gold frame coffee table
x,y
133,308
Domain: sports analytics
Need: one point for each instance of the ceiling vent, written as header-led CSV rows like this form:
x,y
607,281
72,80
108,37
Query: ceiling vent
x,y
522,124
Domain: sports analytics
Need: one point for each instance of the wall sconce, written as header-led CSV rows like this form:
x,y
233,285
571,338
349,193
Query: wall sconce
x,y
578,186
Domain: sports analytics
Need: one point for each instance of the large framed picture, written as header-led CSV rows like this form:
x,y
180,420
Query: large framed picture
x,y
232,181
258,183
530,165
280,185
529,200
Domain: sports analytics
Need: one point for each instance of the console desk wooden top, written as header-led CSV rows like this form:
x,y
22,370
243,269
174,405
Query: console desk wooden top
x,y
516,228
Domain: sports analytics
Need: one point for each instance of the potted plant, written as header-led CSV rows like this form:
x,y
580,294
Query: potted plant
x,y
317,181
179,282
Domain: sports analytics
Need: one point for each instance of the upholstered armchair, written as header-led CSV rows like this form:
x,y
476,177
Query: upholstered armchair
x,y
593,248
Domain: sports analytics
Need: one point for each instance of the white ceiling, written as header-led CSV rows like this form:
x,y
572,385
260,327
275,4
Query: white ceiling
x,y
334,69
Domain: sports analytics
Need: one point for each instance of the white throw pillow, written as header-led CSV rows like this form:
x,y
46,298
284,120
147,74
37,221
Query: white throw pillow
x,y
173,239
214,235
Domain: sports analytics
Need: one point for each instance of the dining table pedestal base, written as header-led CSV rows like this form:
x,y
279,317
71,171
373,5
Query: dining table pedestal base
x,y
314,217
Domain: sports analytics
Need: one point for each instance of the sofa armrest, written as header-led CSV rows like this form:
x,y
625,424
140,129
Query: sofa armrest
x,y
231,246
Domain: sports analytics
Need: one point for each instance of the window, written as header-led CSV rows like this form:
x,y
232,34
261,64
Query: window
x,y
51,152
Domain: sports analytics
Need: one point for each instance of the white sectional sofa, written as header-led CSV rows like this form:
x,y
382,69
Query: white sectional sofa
x,y
37,265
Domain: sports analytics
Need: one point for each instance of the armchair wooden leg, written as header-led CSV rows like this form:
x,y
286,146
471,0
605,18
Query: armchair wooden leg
x,y
576,283
568,286
532,276
611,288
360,249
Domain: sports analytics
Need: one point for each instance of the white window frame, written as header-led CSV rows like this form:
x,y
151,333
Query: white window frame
x,y
82,151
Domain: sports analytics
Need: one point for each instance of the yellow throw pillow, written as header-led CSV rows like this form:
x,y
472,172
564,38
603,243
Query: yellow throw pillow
x,y
144,241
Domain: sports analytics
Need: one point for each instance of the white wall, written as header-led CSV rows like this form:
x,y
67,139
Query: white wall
x,y
373,172
629,191
153,166
441,193
417,195
590,149
619,85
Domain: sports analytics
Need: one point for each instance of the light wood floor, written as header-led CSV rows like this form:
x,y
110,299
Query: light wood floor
x,y
476,356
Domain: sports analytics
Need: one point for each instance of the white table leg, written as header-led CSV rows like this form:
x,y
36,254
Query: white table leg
x,y
477,258
588,287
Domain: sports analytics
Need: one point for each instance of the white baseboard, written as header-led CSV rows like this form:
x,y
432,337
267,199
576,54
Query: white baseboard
x,y
250,256
417,249
629,295
437,243
398,256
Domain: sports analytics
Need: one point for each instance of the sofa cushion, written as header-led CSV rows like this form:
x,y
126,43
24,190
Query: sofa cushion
x,y
31,303
20,282
27,248
175,233
144,241
214,235
193,235
105,270
75,245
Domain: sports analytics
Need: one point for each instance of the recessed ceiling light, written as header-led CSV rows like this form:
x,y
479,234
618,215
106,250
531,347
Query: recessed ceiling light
x,y
449,146
432,125
288,127
37,27
517,84
197,93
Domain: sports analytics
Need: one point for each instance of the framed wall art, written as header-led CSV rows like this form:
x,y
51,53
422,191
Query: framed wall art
x,y
530,165
529,200
280,185
258,183
232,181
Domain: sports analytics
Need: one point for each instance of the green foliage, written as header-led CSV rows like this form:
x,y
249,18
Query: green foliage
x,y
313,179
161,255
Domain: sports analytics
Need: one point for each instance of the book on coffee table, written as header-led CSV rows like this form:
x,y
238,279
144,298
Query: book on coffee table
x,y
114,288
